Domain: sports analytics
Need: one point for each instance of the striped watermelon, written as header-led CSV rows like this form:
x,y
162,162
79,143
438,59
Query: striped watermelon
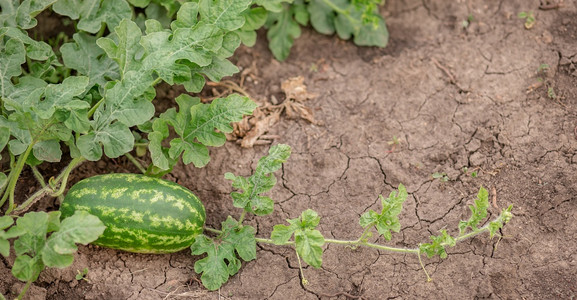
x,y
142,214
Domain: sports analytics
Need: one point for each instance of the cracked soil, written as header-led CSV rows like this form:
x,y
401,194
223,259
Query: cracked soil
x,y
458,100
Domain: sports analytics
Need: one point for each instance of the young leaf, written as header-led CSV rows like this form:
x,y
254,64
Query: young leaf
x,y
309,244
33,227
437,247
351,23
281,234
221,260
308,240
260,182
80,228
37,50
196,44
125,48
22,16
61,96
388,219
478,211
503,219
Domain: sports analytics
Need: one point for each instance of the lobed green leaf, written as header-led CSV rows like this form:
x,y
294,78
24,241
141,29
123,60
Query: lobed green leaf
x,y
308,241
80,228
221,259
92,13
88,60
438,244
388,219
503,219
260,182
478,211
195,125
283,29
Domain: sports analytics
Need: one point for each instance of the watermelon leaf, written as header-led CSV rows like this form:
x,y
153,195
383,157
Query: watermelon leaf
x,y
12,232
36,248
80,228
307,239
478,211
388,219
260,182
195,125
438,244
221,259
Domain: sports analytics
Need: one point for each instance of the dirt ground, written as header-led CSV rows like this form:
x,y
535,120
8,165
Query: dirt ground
x,y
458,100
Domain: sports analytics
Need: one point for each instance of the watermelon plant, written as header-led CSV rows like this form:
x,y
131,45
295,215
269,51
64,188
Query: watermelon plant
x,y
92,94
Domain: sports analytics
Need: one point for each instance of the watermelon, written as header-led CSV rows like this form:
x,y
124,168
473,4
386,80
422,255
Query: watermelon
x,y
142,214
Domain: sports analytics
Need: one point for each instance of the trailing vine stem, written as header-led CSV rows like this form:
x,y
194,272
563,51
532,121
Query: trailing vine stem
x,y
61,179
14,175
362,241
24,290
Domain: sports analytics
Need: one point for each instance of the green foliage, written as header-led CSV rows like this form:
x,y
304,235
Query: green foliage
x,y
529,18
478,214
388,219
44,241
356,19
81,275
441,176
260,182
503,219
307,239
223,252
478,211
195,125
437,247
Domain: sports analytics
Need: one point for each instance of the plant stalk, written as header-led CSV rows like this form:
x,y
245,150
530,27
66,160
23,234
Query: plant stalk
x,y
135,162
38,176
62,179
24,290
242,215
15,174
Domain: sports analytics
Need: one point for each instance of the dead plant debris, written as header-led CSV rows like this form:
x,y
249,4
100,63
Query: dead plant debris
x,y
252,129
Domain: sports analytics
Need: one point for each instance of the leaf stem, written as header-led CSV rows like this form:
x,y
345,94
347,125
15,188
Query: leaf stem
x,y
304,281
38,176
63,178
335,7
423,265
24,290
15,174
101,31
365,232
75,162
93,109
348,243
3,187
135,162
242,215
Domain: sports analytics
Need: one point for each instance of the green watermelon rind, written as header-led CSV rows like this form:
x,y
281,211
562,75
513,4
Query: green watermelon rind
x,y
142,214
